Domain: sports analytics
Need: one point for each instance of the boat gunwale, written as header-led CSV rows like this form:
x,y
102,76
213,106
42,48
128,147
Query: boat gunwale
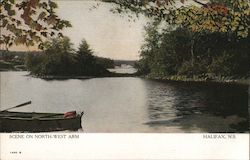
x,y
40,113
41,119
35,116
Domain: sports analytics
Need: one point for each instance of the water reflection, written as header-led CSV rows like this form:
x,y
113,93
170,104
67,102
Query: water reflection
x,y
133,104
198,107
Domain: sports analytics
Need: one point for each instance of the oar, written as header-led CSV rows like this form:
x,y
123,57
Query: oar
x,y
20,105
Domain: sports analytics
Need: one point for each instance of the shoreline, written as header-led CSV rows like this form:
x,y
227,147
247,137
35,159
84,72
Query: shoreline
x,y
179,79
67,77
215,80
226,80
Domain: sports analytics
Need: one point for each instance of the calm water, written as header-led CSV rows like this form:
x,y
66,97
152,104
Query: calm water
x,y
133,104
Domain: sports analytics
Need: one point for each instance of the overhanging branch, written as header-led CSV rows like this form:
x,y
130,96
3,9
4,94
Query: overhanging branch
x,y
200,3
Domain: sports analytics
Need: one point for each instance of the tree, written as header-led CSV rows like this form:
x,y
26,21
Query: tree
x,y
87,63
105,62
85,58
149,48
205,36
58,58
85,51
166,52
231,16
29,22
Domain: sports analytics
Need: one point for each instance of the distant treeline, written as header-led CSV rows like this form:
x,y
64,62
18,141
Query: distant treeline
x,y
5,53
59,58
105,62
128,62
11,55
12,60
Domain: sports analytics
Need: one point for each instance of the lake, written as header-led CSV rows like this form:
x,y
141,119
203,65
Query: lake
x,y
133,105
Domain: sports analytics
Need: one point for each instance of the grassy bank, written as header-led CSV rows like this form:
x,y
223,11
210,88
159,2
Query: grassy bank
x,y
202,79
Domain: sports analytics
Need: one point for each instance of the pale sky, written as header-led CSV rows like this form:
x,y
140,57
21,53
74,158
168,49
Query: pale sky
x,y
109,35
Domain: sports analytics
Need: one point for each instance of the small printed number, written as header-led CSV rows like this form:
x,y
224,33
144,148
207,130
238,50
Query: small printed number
x,y
15,152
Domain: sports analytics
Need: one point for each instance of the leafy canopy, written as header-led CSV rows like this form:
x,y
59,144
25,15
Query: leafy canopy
x,y
226,16
29,22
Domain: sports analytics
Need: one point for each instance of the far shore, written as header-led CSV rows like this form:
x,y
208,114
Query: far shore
x,y
225,80
183,79
65,77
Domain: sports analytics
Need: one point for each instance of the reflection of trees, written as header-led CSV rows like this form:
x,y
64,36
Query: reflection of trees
x,y
206,107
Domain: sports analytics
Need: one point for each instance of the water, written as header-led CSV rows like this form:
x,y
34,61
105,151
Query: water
x,y
123,69
133,104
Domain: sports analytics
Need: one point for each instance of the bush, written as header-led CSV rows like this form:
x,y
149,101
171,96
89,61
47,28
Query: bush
x,y
221,65
189,69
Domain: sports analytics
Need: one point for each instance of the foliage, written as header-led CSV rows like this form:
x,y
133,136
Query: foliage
x,y
29,22
106,62
190,69
60,59
57,59
163,53
85,57
216,17
200,38
86,62
142,67
224,16
168,53
34,62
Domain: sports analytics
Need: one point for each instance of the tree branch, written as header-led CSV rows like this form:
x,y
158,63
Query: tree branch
x,y
200,3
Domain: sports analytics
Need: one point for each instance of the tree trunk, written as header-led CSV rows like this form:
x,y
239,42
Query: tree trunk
x,y
192,51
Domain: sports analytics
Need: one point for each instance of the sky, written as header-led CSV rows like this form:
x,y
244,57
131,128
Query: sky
x,y
109,35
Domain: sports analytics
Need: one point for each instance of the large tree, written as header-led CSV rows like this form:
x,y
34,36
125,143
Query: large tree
x,y
29,22
230,16
58,58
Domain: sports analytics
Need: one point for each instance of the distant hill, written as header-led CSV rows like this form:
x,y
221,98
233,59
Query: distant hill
x,y
128,62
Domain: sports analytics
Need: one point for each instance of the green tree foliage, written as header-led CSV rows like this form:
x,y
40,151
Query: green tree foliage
x,y
59,58
106,62
87,62
232,16
168,52
85,58
29,22
148,49
200,38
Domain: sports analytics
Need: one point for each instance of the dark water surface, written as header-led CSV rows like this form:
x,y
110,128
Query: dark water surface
x,y
133,104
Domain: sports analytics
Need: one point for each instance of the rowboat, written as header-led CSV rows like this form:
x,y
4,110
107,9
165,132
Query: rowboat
x,y
39,122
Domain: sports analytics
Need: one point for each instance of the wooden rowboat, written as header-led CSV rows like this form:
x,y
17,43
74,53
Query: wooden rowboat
x,y
39,122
